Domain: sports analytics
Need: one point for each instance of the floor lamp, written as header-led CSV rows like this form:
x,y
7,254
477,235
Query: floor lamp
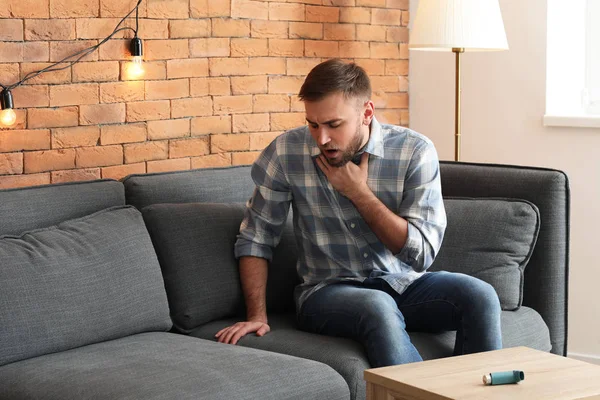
x,y
458,26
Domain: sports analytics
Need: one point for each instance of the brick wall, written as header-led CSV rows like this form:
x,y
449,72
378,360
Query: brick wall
x,y
220,83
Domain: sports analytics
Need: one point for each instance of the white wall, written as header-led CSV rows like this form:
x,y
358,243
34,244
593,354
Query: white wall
x,y
503,104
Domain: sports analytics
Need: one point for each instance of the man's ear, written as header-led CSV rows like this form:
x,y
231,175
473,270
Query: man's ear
x,y
368,112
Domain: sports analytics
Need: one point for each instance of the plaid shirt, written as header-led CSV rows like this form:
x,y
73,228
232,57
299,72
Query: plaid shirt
x,y
334,242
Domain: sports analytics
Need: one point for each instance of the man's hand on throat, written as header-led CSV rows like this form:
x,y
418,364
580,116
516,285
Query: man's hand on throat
x,y
350,179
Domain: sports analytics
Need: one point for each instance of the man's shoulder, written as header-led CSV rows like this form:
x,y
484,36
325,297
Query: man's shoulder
x,y
395,135
292,141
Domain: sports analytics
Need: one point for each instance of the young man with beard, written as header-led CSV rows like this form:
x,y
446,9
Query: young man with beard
x,y
369,220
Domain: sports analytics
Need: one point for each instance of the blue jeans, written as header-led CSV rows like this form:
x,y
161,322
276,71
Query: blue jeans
x,y
372,313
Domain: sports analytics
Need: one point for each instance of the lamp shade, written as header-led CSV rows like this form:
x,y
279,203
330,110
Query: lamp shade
x,y
473,25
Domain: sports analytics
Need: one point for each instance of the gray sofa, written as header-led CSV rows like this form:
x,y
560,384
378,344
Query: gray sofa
x,y
116,289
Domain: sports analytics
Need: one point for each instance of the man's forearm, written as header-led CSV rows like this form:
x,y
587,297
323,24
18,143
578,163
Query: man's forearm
x,y
391,229
253,275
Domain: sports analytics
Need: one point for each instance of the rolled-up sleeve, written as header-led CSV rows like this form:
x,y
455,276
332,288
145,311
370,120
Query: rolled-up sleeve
x,y
423,207
267,209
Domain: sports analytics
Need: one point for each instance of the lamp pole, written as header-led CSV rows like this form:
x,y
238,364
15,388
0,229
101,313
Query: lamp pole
x,y
457,51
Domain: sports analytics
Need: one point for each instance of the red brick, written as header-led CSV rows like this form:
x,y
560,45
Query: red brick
x,y
11,52
385,50
76,94
249,9
384,83
75,137
249,84
266,65
166,49
371,33
168,129
210,47
211,125
102,114
230,28
355,49
99,156
403,84
271,103
171,89
11,163
306,30
166,9
245,158
212,161
232,104
370,3
355,15
25,9
175,164
63,49
148,110
97,28
234,142
120,8
49,160
401,4
372,67
324,48
389,116
251,123
188,147
296,105
11,30
118,134
120,171
286,48
339,32
339,3
52,117
268,29
75,175
193,107
285,121
153,70
243,47
390,100
74,9
404,118
49,29
405,18
62,76
258,141
301,66
117,49
36,51
396,67
209,8
152,29
397,34
189,28
31,96
96,71
322,14
285,84
120,92
210,86
228,66
287,12
385,17
15,181
146,151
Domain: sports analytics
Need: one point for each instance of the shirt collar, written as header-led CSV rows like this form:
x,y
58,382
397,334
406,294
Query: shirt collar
x,y
374,145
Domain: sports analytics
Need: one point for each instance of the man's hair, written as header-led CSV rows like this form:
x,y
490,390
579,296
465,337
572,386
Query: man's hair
x,y
335,76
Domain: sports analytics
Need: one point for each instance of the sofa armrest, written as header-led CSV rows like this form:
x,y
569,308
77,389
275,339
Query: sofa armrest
x,y
546,275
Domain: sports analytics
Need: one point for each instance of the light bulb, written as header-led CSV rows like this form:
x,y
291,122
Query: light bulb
x,y
8,117
136,68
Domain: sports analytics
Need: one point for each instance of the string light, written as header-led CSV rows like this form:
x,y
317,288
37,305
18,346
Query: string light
x,y
8,116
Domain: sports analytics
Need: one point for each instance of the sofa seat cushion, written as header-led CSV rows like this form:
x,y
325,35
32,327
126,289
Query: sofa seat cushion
x,y
523,327
345,356
168,366
491,239
82,281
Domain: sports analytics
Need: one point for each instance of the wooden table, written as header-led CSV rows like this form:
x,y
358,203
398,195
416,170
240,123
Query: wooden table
x,y
547,376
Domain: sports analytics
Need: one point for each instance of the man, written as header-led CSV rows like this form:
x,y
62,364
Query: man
x,y
368,219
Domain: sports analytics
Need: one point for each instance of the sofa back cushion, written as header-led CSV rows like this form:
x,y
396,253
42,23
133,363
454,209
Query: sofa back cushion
x,y
83,281
35,207
194,243
210,185
490,239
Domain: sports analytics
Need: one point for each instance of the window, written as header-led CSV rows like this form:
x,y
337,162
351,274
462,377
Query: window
x,y
573,64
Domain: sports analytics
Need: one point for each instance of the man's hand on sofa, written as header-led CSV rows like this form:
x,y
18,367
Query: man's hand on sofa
x,y
232,334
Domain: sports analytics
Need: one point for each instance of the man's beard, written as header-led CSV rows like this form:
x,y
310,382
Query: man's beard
x,y
349,153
